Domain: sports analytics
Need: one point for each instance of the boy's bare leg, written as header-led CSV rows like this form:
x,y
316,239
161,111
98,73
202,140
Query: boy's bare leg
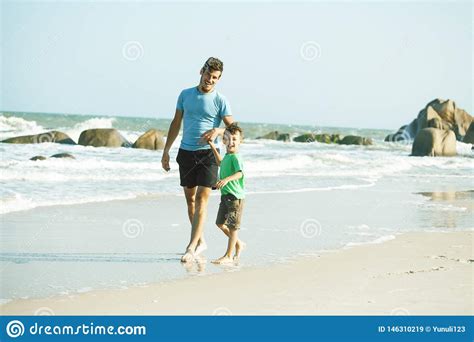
x,y
239,245
233,237
190,194
200,213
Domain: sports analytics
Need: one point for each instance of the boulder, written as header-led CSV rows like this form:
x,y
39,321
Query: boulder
x,y
63,155
355,140
449,116
57,155
336,138
52,136
404,133
150,140
434,142
38,158
438,123
322,138
428,115
444,109
462,123
275,135
103,137
469,137
307,137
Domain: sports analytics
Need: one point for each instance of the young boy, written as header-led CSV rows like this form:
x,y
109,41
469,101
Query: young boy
x,y
232,188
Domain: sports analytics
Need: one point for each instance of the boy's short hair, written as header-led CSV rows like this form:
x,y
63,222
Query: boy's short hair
x,y
214,64
234,128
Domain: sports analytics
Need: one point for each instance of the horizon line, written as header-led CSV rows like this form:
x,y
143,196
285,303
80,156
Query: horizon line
x,y
157,118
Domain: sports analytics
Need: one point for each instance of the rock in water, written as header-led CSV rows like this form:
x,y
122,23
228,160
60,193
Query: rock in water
x,y
434,142
38,158
355,140
443,114
52,136
322,138
150,140
63,155
469,137
275,135
103,137
404,133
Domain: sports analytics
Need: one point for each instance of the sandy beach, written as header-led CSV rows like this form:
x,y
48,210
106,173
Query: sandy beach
x,y
413,274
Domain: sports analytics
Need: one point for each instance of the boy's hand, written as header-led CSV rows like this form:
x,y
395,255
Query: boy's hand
x,y
211,134
220,184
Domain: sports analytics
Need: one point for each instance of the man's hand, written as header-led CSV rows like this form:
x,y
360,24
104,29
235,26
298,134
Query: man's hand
x,y
165,161
211,134
220,184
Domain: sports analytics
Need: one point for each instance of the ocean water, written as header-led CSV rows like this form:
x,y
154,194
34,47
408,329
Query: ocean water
x,y
357,194
101,174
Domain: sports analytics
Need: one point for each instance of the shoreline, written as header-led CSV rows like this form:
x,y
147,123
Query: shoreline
x,y
417,273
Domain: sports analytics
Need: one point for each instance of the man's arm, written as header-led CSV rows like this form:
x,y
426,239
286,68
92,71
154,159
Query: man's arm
x,y
173,132
216,153
212,134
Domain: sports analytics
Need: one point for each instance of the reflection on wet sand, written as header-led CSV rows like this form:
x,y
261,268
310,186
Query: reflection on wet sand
x,y
448,208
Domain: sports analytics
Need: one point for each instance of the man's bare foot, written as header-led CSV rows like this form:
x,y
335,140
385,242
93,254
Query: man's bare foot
x,y
239,247
188,256
222,260
201,247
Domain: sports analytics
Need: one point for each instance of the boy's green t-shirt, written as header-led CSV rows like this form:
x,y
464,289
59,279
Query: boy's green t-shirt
x,y
230,164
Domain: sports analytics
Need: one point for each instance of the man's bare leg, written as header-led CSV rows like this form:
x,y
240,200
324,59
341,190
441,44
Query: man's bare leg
x,y
239,245
190,194
200,213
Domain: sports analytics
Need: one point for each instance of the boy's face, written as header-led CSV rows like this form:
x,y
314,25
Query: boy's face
x,y
232,141
209,79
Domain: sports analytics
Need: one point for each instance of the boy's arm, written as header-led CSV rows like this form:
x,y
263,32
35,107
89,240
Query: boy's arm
x,y
220,184
216,153
235,176
213,133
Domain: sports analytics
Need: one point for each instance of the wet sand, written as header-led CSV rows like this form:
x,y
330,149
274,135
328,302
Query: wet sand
x,y
426,273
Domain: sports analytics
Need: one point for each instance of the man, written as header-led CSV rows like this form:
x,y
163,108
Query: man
x,y
201,109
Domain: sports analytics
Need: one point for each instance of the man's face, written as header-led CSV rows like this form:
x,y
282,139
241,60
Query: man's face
x,y
232,141
209,79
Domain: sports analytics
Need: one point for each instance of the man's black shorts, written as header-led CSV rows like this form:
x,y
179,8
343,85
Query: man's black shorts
x,y
197,168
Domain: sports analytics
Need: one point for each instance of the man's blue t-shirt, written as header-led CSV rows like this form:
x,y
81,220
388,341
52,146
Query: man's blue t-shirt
x,y
201,112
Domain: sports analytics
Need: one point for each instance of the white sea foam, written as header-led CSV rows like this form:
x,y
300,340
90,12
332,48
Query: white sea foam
x,y
444,207
464,149
15,126
5,300
19,203
75,131
378,240
84,289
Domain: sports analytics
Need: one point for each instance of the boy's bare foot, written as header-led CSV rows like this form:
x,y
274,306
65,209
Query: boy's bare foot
x,y
201,247
188,256
239,247
223,260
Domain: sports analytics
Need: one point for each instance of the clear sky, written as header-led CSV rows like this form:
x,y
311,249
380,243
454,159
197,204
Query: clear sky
x,y
352,64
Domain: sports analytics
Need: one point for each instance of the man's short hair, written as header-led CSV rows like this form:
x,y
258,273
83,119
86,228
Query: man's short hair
x,y
214,64
234,128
